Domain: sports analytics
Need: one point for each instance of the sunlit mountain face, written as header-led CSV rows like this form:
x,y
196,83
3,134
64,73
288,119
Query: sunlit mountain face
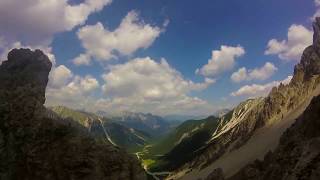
x,y
162,89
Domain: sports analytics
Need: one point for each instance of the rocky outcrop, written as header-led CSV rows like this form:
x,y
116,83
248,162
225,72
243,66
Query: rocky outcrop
x,y
34,145
235,131
23,81
298,154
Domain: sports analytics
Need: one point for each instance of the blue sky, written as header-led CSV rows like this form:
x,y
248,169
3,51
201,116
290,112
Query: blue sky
x,y
195,29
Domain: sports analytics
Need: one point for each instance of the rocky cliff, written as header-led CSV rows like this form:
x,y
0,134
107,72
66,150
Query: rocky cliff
x,y
34,145
298,154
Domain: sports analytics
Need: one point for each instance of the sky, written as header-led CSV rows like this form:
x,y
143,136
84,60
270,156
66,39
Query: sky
x,y
166,57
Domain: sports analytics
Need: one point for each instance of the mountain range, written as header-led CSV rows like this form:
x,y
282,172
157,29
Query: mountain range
x,y
125,137
149,123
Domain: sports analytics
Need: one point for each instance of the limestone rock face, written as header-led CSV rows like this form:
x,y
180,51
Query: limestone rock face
x,y
298,154
35,145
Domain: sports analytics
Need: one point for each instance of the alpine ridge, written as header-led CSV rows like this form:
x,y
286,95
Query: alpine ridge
x,y
105,129
298,154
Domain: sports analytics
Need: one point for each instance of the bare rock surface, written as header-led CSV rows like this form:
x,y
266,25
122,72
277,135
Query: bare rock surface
x,y
298,154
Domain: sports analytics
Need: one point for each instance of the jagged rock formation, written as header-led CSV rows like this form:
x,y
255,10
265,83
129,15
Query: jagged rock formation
x,y
236,116
275,113
35,146
298,154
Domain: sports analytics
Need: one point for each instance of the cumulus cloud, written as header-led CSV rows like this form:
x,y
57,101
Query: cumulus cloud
x,y
34,22
317,13
141,85
145,85
149,79
262,73
102,44
298,39
59,76
221,60
70,90
256,90
184,105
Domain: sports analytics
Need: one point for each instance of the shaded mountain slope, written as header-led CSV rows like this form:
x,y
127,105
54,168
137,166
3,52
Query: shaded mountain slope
x,y
298,154
185,130
179,145
103,128
128,138
35,146
189,139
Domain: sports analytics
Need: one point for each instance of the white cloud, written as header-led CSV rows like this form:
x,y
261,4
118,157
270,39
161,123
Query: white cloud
x,y
59,76
222,60
256,90
317,13
34,22
141,85
145,85
102,44
183,105
82,59
74,91
239,75
147,78
262,73
298,39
